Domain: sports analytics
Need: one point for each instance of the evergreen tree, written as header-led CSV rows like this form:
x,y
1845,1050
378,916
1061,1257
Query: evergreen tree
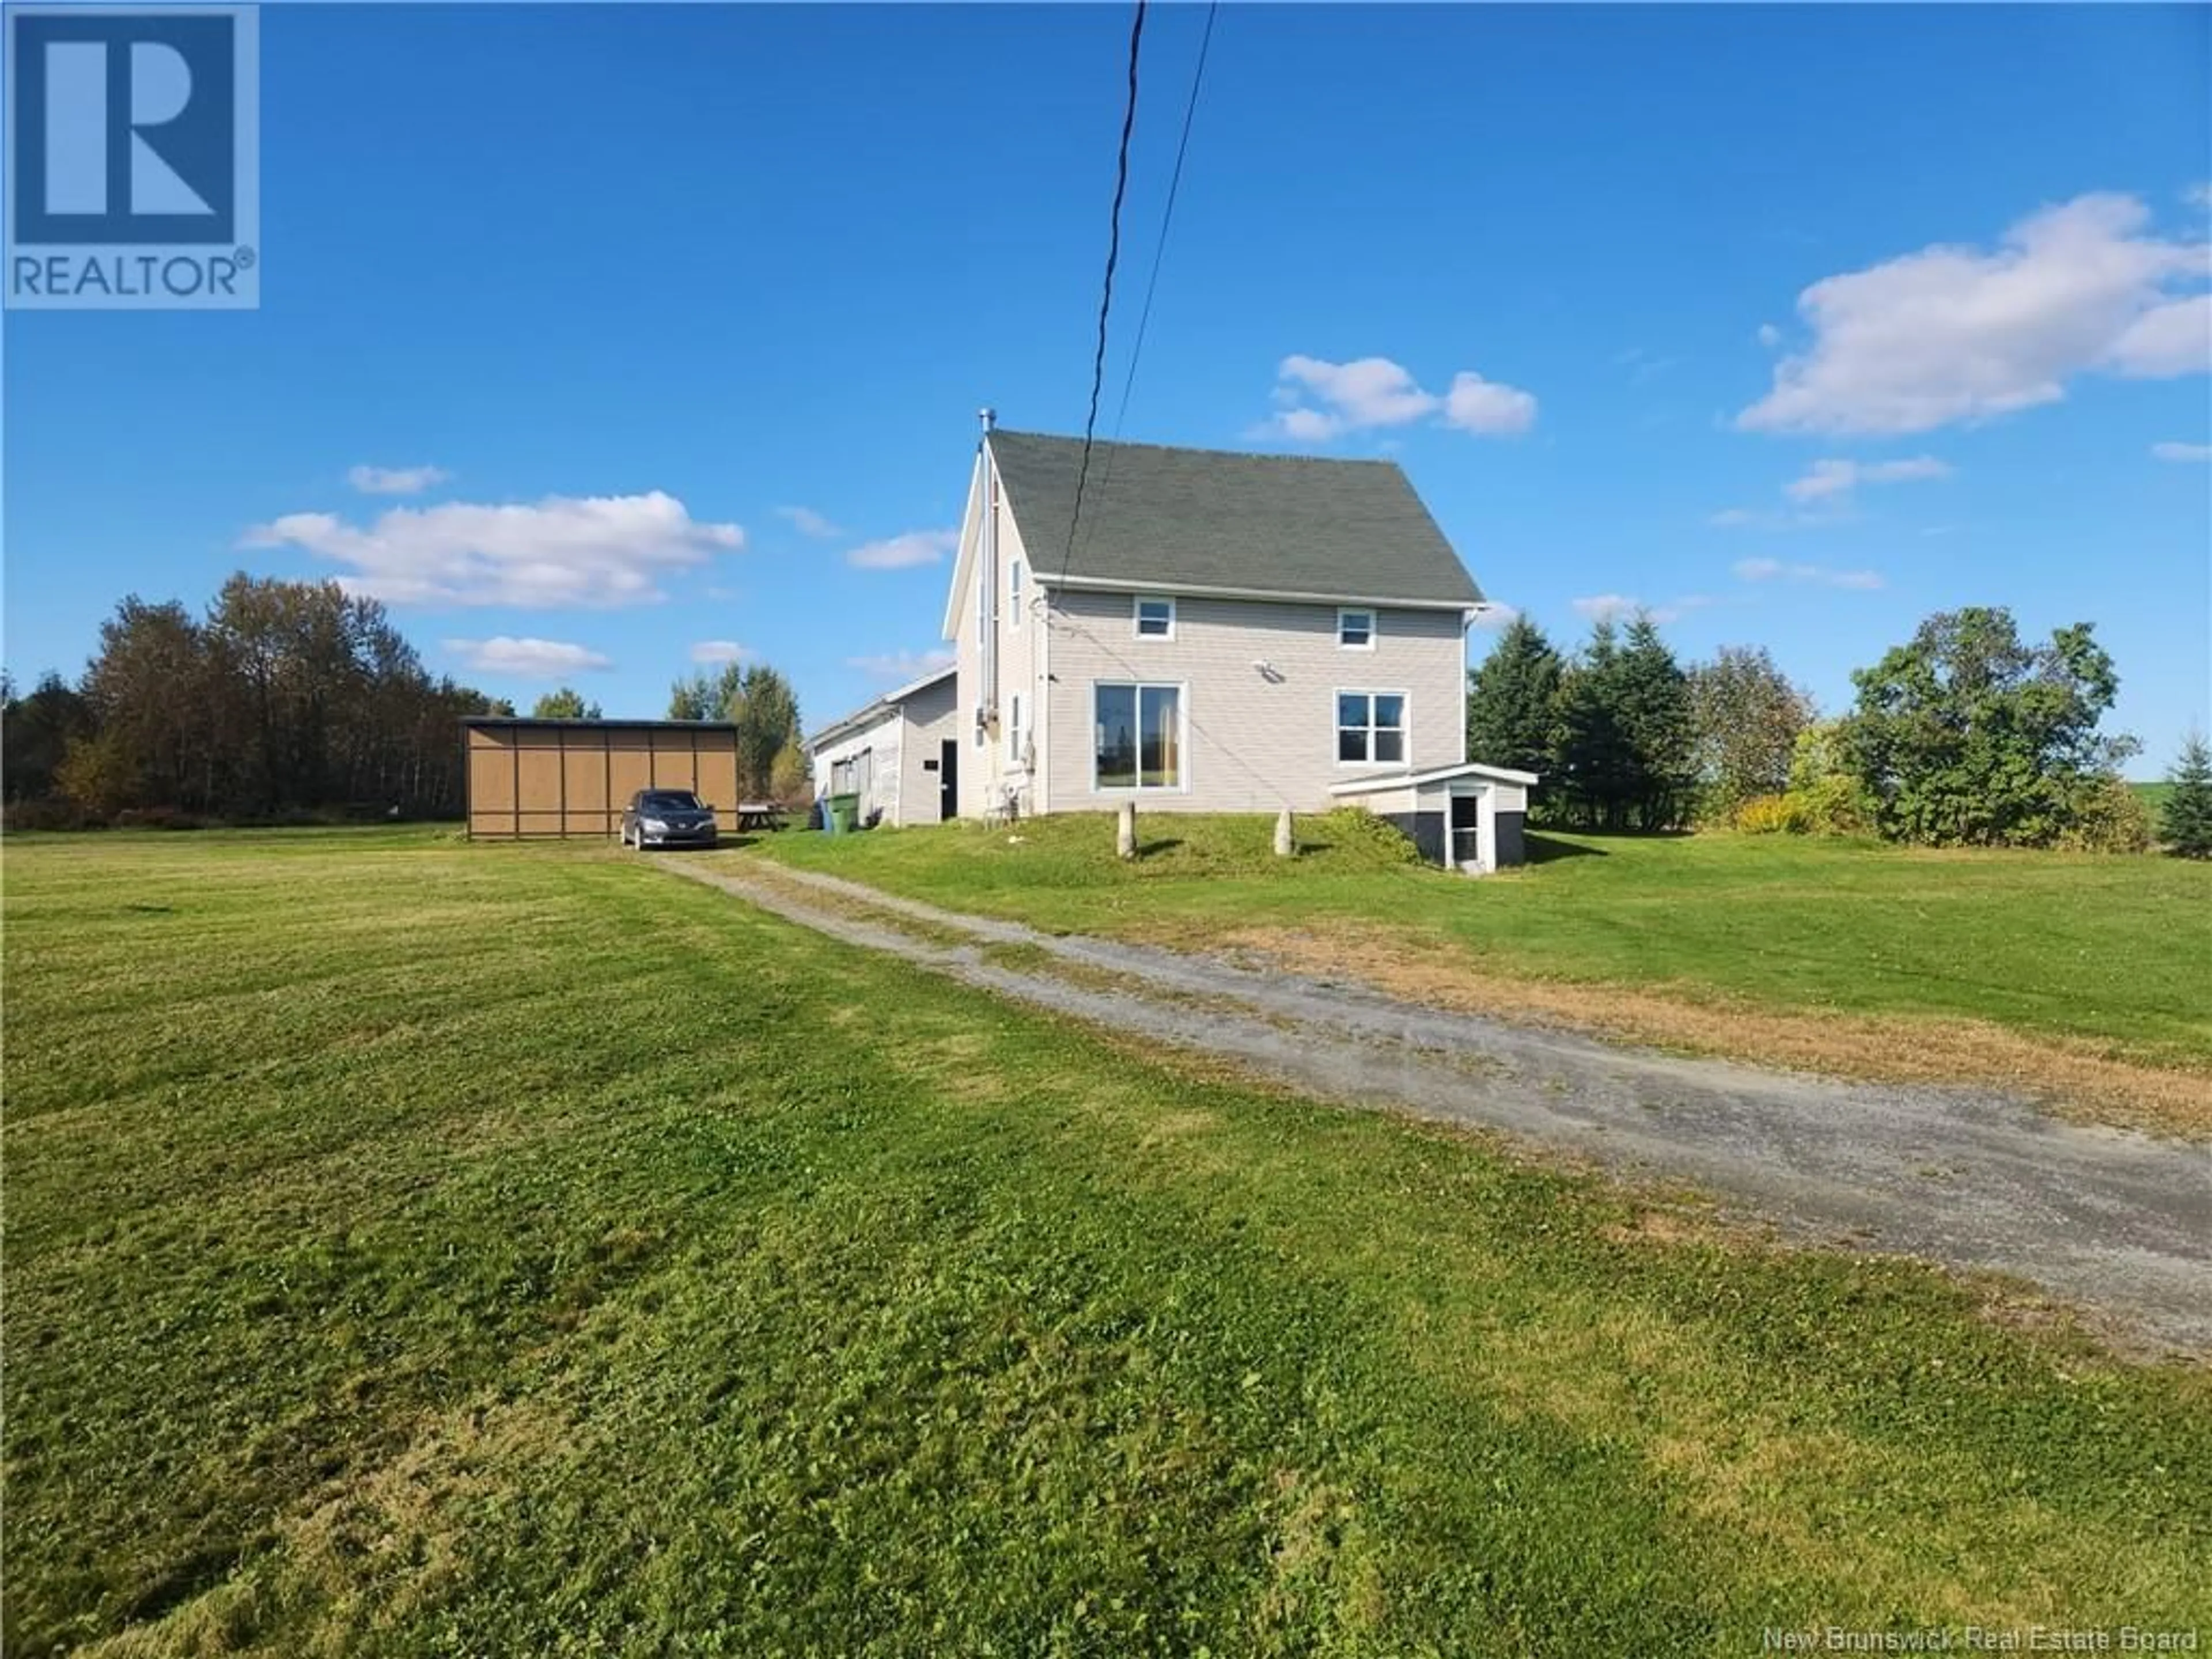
x,y
1512,701
1654,711
1591,756
2185,820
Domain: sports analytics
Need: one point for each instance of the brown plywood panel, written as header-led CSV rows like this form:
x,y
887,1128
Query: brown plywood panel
x,y
717,779
632,766
491,778
540,737
672,767
587,770
537,779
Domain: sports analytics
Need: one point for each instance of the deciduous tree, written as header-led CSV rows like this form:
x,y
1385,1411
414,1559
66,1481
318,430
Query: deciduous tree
x,y
1748,717
1968,735
565,704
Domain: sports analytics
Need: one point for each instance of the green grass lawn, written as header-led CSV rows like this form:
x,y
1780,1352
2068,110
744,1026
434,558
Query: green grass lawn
x,y
415,1247
2112,952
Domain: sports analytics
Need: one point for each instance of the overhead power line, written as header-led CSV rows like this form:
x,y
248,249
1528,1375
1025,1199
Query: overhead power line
x,y
1106,300
1167,219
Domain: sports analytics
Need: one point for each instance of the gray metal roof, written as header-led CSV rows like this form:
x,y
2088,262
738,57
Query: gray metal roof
x,y
1211,517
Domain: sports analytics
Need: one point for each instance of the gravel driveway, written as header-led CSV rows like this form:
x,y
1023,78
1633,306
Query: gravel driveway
x,y
2114,1222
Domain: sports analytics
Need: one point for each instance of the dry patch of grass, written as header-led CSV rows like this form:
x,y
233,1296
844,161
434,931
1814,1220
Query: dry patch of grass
x,y
2076,1082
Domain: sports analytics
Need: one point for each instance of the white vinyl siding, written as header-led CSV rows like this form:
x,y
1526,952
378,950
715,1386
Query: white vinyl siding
x,y
1370,728
1256,742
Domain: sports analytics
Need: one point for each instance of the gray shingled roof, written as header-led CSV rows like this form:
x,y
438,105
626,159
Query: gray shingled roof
x,y
1209,518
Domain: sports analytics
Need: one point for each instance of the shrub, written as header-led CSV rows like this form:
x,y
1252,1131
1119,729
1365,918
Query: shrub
x,y
158,818
47,813
1766,815
1826,797
1358,830
2107,817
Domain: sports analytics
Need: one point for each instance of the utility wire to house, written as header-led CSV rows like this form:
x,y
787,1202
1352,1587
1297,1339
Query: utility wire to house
x,y
1106,300
1160,247
1167,219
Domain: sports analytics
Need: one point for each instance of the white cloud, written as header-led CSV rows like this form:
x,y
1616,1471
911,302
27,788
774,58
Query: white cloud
x,y
1618,607
527,659
1763,570
2174,338
1374,393
395,480
898,666
2198,196
808,522
1769,335
1497,616
903,552
1835,480
564,552
718,651
1953,333
1486,408
2182,452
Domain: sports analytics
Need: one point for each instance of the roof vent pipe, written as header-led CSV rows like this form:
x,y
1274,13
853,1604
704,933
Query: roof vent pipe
x,y
989,417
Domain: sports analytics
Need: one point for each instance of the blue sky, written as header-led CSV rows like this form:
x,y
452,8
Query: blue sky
x,y
662,331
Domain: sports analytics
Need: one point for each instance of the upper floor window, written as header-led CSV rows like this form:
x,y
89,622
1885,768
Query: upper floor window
x,y
1355,629
1155,619
1017,734
1014,590
1370,728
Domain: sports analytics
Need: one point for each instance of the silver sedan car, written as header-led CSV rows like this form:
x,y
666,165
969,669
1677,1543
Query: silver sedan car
x,y
668,818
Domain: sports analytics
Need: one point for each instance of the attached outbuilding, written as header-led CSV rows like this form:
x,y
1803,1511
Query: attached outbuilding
x,y
900,755
1468,818
530,778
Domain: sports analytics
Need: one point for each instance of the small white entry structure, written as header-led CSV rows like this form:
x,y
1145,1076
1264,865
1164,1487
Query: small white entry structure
x,y
1468,818
899,755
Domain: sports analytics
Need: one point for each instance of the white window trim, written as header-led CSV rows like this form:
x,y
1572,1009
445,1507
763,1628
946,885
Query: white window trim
x,y
1014,575
1016,732
1137,603
1139,789
1374,625
1336,728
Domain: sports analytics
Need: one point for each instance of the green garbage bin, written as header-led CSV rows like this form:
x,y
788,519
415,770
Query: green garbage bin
x,y
844,814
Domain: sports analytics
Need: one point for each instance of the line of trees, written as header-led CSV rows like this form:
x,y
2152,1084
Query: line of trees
x,y
1623,735
1966,735
284,699
759,702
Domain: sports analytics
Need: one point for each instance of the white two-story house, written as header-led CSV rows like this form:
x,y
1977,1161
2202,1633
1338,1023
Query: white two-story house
x,y
1213,632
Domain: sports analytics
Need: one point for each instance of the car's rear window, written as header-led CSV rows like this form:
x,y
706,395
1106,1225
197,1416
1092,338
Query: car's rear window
x,y
670,800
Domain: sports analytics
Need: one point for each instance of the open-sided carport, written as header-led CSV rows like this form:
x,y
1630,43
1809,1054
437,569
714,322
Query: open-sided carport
x,y
531,778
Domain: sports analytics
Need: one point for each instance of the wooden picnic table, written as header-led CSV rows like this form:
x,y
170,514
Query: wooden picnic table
x,y
755,815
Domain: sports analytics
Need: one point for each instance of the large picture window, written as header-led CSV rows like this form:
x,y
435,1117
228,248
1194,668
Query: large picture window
x,y
1139,736
1370,728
